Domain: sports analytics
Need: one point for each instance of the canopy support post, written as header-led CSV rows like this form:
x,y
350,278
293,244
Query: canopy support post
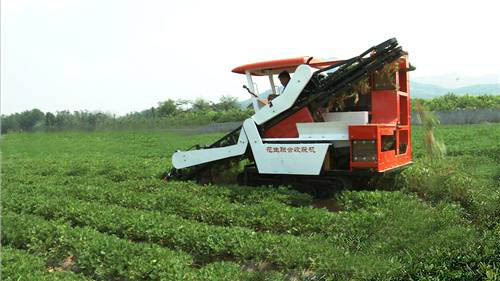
x,y
251,87
271,80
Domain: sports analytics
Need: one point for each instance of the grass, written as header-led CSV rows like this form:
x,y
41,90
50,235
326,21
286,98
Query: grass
x,y
95,199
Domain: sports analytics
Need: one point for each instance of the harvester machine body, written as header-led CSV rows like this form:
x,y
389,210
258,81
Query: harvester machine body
x,y
334,118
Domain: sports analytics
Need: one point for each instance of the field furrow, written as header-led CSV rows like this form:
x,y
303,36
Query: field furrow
x,y
95,254
21,265
99,256
206,243
92,206
269,215
51,172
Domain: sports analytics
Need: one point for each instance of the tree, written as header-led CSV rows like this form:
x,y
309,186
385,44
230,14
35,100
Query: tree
x,y
201,104
227,103
50,120
64,120
28,119
10,123
167,108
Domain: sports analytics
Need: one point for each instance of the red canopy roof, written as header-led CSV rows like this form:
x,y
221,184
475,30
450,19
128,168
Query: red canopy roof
x,y
276,66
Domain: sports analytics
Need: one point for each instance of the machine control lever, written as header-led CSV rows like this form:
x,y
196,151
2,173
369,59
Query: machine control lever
x,y
257,97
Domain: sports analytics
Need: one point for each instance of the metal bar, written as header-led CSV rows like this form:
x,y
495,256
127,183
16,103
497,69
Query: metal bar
x,y
351,71
250,86
271,80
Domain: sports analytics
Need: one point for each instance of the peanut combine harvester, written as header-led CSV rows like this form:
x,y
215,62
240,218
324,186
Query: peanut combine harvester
x,y
334,122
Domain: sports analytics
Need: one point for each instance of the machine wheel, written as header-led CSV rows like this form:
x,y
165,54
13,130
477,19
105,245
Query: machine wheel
x,y
317,186
240,179
342,183
329,187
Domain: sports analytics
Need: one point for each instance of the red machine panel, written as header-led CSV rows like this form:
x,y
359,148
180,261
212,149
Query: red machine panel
x,y
380,147
385,143
288,128
385,107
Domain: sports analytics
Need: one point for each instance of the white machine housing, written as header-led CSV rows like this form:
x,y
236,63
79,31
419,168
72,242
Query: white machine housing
x,y
304,155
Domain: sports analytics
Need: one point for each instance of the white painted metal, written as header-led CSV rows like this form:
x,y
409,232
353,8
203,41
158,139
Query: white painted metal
x,y
295,159
336,143
250,86
271,80
337,129
286,100
265,140
280,157
352,117
256,89
324,130
183,159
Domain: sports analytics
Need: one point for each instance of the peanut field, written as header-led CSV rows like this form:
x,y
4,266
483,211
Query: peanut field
x,y
93,206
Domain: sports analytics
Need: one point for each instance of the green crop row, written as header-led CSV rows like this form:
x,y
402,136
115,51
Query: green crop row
x,y
94,254
66,172
99,256
230,193
443,226
19,265
434,243
415,244
205,242
241,194
343,229
41,171
391,226
264,216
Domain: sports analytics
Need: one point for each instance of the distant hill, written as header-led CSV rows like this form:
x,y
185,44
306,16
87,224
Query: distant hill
x,y
478,89
456,80
438,85
421,90
424,91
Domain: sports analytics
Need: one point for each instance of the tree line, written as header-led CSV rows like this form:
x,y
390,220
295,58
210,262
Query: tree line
x,y
453,102
176,113
168,113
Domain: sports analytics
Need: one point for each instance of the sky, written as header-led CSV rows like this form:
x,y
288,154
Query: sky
x,y
120,56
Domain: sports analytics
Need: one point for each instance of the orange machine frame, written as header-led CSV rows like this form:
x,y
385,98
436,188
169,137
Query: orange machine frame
x,y
276,66
390,117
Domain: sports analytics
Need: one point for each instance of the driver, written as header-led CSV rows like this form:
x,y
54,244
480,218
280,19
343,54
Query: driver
x,y
284,78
